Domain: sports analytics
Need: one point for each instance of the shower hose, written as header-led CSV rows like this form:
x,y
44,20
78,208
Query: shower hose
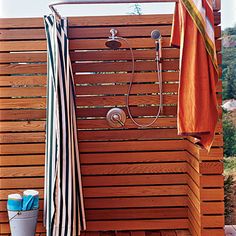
x,y
159,78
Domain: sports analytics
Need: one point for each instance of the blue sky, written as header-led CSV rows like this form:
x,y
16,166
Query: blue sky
x,y
38,8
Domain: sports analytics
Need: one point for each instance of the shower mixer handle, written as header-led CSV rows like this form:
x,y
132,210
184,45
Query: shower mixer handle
x,y
117,118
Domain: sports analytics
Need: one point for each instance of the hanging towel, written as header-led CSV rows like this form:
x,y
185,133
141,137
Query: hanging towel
x,y
63,200
193,33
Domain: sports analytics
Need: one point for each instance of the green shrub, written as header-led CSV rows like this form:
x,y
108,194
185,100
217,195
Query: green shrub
x,y
229,131
228,198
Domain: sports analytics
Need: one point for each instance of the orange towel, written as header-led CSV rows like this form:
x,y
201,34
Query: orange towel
x,y
197,101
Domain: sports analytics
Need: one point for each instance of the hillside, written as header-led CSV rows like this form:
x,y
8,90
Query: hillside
x,y
229,121
229,49
229,90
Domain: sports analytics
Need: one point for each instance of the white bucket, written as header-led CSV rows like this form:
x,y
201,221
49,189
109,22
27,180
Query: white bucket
x,y
23,223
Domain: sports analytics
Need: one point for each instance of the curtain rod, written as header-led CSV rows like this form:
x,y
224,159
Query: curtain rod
x,y
65,2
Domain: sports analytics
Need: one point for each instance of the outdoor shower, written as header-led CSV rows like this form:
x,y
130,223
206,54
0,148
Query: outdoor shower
x,y
116,117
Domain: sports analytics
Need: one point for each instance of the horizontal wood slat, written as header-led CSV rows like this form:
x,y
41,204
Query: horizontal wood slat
x,y
133,157
94,124
133,169
22,171
23,80
82,44
90,78
128,135
92,181
141,202
98,32
134,191
40,103
89,67
91,21
132,146
39,114
134,224
126,180
126,202
91,90
155,213
92,55
22,160
161,19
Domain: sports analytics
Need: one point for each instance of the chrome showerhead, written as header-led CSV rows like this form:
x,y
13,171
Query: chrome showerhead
x,y
156,34
113,42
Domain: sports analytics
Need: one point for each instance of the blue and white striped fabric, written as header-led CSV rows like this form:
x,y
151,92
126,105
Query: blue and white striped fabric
x,y
63,199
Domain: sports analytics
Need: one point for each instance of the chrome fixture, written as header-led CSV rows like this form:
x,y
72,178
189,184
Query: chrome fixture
x,y
113,42
116,117
156,35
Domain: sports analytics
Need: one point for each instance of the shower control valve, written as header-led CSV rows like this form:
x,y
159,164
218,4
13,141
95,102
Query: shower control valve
x,y
116,117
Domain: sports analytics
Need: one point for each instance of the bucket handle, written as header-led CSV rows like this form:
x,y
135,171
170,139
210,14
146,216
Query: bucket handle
x,y
18,213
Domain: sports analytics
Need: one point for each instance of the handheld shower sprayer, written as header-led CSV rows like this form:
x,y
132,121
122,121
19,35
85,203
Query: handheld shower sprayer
x,y
156,35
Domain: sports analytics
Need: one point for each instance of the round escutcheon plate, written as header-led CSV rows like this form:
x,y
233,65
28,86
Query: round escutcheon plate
x,y
116,117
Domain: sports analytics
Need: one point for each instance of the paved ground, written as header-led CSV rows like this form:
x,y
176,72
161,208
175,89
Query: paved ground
x,y
230,230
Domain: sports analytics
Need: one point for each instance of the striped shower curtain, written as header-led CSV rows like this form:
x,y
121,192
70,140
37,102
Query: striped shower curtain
x,y
63,199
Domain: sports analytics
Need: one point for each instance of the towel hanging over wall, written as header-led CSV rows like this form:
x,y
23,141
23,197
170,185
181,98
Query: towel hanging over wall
x,y
63,202
193,32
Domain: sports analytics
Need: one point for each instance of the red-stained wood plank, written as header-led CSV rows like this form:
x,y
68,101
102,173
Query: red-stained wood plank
x,y
167,233
134,191
132,202
138,225
122,214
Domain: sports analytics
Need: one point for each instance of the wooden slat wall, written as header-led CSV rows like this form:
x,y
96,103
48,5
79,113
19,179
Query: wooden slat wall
x,y
205,182
133,179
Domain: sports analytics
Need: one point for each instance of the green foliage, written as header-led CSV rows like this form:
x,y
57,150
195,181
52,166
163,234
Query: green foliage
x,y
137,10
228,53
229,165
229,131
228,198
224,94
229,84
230,31
228,59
